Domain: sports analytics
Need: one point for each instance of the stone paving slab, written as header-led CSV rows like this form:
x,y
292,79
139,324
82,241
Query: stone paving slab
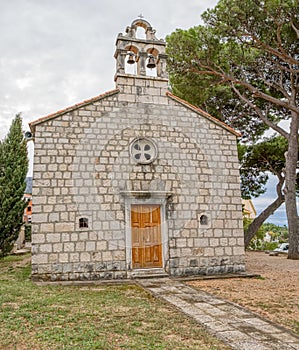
x,y
241,329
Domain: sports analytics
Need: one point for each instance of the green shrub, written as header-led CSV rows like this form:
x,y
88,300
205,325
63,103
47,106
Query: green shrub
x,y
270,245
28,232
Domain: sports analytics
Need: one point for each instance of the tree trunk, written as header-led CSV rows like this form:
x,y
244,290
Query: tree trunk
x,y
290,189
259,220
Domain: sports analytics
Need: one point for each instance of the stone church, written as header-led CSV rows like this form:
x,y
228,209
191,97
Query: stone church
x,y
135,181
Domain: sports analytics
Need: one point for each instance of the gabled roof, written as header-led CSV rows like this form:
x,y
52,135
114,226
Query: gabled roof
x,y
116,91
72,108
203,113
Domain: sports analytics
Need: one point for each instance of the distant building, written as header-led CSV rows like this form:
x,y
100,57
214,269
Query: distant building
x,y
249,211
28,210
28,197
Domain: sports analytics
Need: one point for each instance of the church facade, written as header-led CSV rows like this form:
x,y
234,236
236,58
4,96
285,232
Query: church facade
x,y
135,181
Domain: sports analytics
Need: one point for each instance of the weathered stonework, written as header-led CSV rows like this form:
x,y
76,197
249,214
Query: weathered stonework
x,y
83,169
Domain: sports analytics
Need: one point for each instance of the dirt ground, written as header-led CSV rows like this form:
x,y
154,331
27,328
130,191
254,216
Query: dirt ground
x,y
274,296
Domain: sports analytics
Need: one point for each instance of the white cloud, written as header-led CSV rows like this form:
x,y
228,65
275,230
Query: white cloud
x,y
55,53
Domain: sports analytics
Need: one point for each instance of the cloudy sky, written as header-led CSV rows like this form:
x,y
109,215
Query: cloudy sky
x,y
55,53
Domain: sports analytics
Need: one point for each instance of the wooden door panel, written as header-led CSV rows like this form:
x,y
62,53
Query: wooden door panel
x,y
136,244
147,255
156,236
135,234
146,236
137,257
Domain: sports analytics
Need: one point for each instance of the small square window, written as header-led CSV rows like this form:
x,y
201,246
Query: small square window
x,y
83,222
203,220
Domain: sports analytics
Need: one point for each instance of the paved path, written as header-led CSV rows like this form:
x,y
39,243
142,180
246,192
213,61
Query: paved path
x,y
234,325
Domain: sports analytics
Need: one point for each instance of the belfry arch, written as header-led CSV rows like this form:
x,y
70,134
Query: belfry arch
x,y
144,53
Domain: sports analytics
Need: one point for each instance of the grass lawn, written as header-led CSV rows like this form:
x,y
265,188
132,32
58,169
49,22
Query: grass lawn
x,y
95,317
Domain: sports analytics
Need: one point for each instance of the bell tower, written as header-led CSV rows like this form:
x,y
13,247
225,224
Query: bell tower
x,y
140,59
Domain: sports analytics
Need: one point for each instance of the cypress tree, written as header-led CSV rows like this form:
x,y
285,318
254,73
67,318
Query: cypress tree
x,y
13,170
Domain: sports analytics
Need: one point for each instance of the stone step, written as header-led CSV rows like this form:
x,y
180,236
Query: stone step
x,y
148,273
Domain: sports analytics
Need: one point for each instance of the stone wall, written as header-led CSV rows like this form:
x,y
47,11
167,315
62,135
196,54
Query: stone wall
x,y
83,166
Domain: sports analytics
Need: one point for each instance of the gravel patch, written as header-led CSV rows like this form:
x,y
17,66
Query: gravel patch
x,y
274,296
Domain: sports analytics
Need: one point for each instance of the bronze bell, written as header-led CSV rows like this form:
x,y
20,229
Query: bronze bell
x,y
151,62
131,58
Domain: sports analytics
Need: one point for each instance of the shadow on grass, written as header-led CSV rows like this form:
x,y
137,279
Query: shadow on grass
x,y
95,317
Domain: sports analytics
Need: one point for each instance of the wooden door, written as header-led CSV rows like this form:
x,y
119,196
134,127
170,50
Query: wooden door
x,y
146,236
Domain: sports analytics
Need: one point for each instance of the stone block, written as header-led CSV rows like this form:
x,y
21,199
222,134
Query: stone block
x,y
45,248
40,218
58,207
74,257
93,236
64,226
53,258
47,228
74,237
193,263
113,244
63,257
97,256
201,242
57,247
45,269
107,256
68,247
84,112
38,238
101,245
119,255
90,246
80,246
65,237
174,262
40,259
223,242
209,251
181,242
53,237
238,251
85,257
219,251
127,98
228,250
214,242
83,236
66,268
186,252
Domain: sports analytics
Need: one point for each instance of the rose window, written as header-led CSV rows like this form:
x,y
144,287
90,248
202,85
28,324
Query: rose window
x,y
143,150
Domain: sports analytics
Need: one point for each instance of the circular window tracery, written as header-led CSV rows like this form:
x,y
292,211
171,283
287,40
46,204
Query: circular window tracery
x,y
143,150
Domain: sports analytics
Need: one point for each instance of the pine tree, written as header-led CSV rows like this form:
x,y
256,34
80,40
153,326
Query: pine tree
x,y
13,170
247,51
